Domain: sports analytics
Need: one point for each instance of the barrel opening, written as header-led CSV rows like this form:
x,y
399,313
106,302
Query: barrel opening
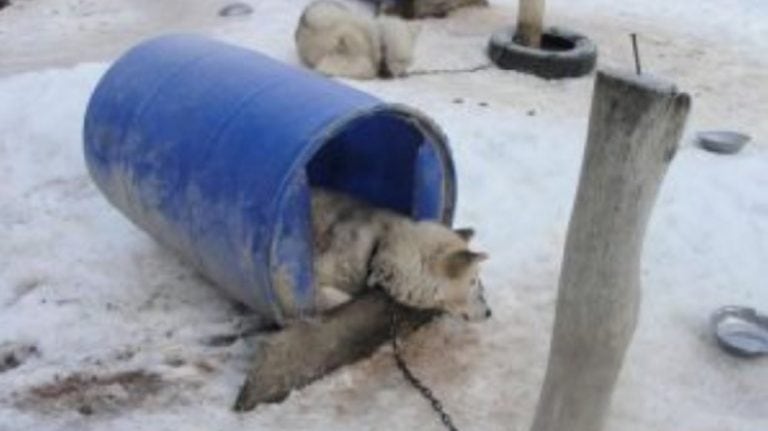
x,y
389,158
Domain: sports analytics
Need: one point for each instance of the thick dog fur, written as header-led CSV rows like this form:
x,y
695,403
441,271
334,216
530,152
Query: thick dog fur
x,y
420,264
335,39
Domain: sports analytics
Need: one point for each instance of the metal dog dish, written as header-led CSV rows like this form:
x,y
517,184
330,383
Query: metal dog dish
x,y
236,9
741,331
722,141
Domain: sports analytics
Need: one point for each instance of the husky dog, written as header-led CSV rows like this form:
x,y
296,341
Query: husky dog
x,y
420,264
337,40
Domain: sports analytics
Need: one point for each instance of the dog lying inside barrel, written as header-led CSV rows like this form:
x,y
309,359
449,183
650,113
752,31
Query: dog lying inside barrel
x,y
421,264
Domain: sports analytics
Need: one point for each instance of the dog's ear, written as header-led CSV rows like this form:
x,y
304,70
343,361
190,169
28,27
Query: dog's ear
x,y
460,261
466,233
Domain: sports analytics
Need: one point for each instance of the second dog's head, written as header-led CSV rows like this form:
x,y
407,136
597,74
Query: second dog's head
x,y
398,40
428,265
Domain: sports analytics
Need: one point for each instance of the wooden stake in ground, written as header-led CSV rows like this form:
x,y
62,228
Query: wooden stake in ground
x,y
634,130
307,350
530,22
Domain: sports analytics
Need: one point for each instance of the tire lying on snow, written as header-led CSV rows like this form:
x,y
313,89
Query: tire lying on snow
x,y
563,53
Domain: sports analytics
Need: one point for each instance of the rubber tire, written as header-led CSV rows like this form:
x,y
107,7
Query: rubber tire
x,y
578,59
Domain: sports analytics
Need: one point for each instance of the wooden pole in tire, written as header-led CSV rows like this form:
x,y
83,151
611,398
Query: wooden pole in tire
x,y
634,130
530,22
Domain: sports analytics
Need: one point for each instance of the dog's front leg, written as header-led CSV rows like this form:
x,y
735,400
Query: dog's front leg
x,y
305,351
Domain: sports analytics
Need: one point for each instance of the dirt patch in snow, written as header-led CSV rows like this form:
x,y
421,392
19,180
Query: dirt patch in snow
x,y
91,394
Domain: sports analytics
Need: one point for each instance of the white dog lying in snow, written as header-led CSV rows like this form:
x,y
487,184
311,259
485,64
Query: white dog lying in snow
x,y
334,39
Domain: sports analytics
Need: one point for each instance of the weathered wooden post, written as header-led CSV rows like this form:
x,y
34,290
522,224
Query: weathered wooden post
x,y
635,126
530,22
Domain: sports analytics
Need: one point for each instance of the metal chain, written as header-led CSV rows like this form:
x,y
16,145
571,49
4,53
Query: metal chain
x,y
437,406
477,68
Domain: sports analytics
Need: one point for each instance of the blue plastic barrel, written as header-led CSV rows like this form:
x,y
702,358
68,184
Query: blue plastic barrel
x,y
211,149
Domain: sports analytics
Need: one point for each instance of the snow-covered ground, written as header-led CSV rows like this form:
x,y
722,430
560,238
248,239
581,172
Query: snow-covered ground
x,y
113,332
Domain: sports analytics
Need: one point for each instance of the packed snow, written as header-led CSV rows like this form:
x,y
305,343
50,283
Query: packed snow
x,y
101,328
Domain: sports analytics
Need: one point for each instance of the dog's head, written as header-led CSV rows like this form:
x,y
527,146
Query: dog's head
x,y
398,39
431,266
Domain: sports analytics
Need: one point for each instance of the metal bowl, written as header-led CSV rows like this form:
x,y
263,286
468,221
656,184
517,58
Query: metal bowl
x,y
722,141
236,9
741,331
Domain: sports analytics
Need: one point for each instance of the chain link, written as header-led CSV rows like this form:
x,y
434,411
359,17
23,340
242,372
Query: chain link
x,y
437,406
473,69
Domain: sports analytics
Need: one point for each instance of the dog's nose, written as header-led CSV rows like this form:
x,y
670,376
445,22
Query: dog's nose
x,y
384,71
488,313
